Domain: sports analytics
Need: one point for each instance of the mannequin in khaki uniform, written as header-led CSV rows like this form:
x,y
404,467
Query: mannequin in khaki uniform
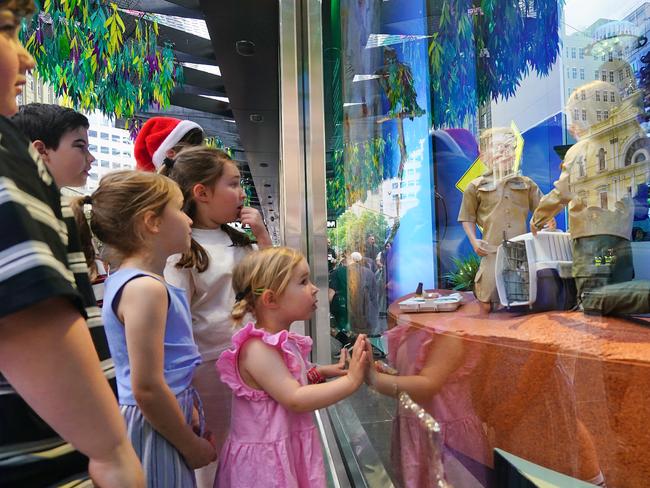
x,y
600,226
499,203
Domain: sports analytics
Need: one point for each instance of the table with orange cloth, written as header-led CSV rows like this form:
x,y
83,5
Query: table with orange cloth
x,y
557,388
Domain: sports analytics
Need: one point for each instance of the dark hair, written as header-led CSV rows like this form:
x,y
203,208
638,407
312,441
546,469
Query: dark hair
x,y
21,8
193,166
48,123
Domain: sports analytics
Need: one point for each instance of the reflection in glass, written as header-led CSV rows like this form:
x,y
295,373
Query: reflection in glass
x,y
451,126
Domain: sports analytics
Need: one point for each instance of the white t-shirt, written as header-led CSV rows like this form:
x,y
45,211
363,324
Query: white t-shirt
x,y
210,293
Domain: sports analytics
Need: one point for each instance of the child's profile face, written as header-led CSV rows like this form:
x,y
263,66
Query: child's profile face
x,y
298,300
15,61
227,196
70,162
498,149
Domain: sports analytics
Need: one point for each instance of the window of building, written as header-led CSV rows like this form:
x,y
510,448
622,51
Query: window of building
x,y
395,185
93,176
573,52
103,150
602,163
582,95
606,114
575,114
103,136
604,96
582,73
596,75
598,95
611,77
611,97
574,72
116,165
599,115
603,75
610,57
92,147
115,138
105,164
115,152
92,133
603,199
581,53
584,114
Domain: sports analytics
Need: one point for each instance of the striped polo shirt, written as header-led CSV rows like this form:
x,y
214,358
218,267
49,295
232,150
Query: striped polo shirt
x,y
40,258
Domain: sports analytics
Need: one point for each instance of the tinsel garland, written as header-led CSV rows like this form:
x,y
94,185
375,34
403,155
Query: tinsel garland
x,y
80,49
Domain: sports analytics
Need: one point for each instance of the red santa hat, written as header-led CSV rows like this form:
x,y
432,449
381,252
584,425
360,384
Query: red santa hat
x,y
157,136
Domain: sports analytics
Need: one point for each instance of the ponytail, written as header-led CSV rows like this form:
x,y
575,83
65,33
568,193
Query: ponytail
x,y
242,307
85,234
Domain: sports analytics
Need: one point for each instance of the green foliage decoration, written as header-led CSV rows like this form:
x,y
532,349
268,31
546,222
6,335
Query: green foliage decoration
x,y
483,49
462,278
82,50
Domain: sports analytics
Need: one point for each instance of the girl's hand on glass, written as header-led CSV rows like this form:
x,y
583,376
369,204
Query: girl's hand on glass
x,y
336,369
359,363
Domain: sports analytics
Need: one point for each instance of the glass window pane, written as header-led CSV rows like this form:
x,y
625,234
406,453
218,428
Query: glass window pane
x,y
451,127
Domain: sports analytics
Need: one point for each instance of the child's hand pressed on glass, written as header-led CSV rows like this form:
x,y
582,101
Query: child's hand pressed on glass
x,y
360,362
336,369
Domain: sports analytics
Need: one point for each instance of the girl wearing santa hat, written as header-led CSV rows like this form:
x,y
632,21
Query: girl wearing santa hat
x,y
213,198
161,138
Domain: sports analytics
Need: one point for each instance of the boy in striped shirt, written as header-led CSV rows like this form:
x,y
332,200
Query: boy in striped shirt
x,y
46,351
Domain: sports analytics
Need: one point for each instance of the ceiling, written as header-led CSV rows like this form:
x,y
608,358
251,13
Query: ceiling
x,y
243,44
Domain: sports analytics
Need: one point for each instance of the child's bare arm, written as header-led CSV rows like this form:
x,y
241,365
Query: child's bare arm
x,y
267,368
444,357
48,356
143,310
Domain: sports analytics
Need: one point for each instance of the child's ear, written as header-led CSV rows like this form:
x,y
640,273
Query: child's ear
x,y
40,147
200,193
268,299
151,222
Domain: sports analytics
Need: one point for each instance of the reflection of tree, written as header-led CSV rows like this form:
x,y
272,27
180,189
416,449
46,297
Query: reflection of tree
x,y
483,52
396,79
358,168
352,229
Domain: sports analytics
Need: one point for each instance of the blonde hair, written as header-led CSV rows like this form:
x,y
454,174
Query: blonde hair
x,y
120,202
487,134
200,165
268,269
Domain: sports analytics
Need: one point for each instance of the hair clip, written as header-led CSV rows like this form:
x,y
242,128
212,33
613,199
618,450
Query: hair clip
x,y
242,294
258,291
169,163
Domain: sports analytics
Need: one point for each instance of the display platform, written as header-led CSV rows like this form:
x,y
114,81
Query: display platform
x,y
562,390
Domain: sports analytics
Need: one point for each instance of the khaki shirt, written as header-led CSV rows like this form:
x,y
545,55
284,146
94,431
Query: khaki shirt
x,y
501,209
584,220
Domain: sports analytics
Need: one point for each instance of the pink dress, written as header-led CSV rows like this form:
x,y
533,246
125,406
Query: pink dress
x,y
268,445
461,428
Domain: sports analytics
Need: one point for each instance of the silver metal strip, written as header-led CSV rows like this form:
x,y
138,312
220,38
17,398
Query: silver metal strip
x,y
315,173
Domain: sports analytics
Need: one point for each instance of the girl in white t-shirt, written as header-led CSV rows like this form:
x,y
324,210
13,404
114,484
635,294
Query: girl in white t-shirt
x,y
211,185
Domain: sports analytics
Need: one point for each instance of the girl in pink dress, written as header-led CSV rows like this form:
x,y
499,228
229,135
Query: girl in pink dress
x,y
273,441
435,368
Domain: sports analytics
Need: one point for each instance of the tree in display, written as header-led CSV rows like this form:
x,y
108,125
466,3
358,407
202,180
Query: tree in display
x,y
80,49
481,50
